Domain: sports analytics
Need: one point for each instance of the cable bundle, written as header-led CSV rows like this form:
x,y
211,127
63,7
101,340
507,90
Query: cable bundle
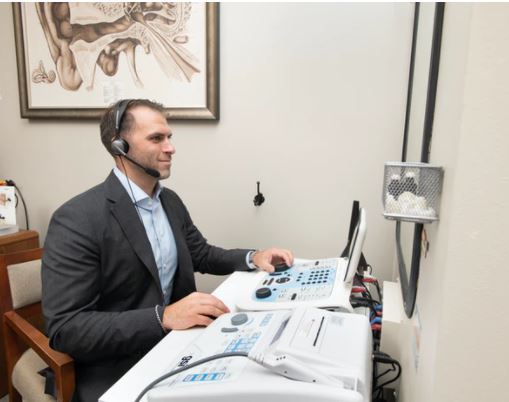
x,y
363,297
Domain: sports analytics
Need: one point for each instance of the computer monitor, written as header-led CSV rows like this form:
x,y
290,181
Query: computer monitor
x,y
355,244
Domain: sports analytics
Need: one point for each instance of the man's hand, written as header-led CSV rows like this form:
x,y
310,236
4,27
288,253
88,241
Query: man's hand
x,y
267,259
194,309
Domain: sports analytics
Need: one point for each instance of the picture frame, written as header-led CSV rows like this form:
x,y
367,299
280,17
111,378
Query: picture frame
x,y
76,59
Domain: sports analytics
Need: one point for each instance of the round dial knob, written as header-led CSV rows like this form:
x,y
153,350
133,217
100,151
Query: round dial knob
x,y
282,267
263,293
239,319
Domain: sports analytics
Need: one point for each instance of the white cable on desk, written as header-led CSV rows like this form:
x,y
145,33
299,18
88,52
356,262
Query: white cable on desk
x,y
181,369
283,365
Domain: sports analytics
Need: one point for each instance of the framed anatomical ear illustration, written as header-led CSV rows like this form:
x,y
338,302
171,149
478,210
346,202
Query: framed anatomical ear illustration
x,y
75,59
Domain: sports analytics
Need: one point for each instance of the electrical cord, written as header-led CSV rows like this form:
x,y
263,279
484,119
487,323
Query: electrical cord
x,y
360,285
374,281
362,302
383,358
384,373
363,281
379,388
189,366
379,291
366,292
365,301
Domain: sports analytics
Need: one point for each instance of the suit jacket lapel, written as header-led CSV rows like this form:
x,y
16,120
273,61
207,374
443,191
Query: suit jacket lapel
x,y
125,213
183,282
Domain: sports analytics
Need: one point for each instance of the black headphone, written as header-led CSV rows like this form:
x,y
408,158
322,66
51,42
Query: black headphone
x,y
119,146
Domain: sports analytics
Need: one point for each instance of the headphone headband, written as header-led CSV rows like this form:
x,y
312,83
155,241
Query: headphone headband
x,y
119,146
120,109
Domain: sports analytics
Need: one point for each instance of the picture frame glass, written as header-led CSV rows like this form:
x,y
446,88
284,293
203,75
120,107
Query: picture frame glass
x,y
86,56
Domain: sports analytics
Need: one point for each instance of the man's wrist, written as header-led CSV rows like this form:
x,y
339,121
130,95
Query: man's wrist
x,y
250,259
159,310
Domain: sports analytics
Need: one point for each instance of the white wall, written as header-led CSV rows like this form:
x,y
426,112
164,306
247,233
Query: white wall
x,y
463,282
312,104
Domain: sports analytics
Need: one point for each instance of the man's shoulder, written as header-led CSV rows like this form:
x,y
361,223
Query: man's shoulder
x,y
92,193
91,198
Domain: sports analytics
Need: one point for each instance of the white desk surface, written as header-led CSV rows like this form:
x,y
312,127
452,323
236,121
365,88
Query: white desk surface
x,y
158,361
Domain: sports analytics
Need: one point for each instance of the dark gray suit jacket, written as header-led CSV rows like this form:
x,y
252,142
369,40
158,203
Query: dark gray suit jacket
x,y
100,282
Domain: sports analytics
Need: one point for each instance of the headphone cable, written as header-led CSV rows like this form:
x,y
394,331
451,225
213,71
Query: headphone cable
x,y
131,189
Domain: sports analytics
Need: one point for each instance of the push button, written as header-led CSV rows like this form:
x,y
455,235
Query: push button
x,y
227,330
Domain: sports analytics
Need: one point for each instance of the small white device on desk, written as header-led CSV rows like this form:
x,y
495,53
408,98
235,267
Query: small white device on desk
x,y
325,283
8,210
302,355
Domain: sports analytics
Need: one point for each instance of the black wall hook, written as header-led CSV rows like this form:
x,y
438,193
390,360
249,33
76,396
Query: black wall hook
x,y
259,199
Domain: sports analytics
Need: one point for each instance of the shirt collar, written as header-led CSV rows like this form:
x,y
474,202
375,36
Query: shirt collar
x,y
136,194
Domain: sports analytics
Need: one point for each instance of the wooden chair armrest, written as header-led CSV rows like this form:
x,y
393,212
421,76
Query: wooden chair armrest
x,y
19,332
35,339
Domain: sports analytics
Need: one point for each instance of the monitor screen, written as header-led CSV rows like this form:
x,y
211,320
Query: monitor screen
x,y
355,249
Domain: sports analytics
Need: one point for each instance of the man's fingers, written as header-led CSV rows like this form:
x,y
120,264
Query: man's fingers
x,y
284,255
194,309
203,320
209,300
210,311
266,266
267,259
288,257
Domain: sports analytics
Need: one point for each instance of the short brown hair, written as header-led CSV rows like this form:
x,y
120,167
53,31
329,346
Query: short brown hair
x,y
107,126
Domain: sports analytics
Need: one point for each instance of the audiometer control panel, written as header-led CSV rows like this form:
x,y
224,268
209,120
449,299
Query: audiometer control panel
x,y
234,332
307,281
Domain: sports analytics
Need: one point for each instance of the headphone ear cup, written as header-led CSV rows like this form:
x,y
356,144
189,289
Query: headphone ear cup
x,y
119,146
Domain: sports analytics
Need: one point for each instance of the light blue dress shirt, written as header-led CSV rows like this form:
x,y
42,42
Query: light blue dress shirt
x,y
158,230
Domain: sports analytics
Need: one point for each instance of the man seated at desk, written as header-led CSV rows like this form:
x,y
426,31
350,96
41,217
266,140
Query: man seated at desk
x,y
119,260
